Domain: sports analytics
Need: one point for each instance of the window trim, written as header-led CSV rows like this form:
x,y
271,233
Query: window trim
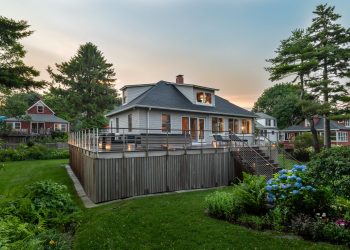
x,y
14,125
347,123
342,136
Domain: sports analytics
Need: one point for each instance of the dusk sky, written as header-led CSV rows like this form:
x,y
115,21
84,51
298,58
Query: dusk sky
x,y
221,44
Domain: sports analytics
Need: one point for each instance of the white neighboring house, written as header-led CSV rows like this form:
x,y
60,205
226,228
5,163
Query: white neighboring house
x,y
172,108
267,126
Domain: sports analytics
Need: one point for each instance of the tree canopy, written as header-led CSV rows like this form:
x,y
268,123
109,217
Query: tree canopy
x,y
16,104
281,101
83,88
14,73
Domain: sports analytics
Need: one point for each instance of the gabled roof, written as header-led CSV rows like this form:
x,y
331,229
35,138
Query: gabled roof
x,y
264,116
176,84
38,118
165,95
319,127
41,103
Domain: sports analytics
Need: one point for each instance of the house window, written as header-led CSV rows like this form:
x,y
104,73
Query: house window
x,y
233,125
185,125
130,122
204,97
117,125
347,123
60,127
268,122
246,126
230,125
342,136
166,126
40,109
16,125
217,125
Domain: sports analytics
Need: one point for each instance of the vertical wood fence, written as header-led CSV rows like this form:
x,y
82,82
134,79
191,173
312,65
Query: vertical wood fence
x,y
106,179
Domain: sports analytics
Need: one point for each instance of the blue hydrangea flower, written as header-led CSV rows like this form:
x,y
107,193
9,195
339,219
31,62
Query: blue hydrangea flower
x,y
268,188
295,192
298,179
270,181
313,189
302,188
297,184
283,171
283,177
274,187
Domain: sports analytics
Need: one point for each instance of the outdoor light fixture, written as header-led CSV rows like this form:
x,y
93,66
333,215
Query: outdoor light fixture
x,y
100,145
130,146
108,147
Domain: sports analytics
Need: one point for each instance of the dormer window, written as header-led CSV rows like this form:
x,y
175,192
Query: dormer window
x,y
40,109
204,97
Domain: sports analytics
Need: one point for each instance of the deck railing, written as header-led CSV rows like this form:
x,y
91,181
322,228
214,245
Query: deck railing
x,y
141,139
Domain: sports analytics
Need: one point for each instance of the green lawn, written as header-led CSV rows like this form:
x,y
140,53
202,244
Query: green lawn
x,y
175,221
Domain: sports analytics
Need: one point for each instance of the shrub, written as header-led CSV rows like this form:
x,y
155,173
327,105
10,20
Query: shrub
x,y
250,194
280,218
331,168
292,189
220,204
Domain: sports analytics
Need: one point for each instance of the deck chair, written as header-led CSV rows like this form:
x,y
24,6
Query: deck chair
x,y
221,140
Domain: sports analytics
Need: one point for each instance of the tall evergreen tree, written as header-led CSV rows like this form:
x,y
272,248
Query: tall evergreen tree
x,y
295,60
14,74
331,42
85,83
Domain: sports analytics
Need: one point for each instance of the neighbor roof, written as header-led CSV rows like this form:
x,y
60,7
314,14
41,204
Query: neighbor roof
x,y
264,116
165,95
319,126
39,118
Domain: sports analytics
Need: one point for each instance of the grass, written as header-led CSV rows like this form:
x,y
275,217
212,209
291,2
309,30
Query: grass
x,y
174,221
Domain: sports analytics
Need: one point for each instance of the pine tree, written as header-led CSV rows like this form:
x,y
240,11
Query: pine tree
x,y
331,42
14,74
85,82
296,59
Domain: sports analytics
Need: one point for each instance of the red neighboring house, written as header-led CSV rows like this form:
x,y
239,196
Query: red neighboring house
x,y
38,120
340,132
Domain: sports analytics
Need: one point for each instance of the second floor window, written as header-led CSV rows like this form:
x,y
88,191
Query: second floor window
x,y
204,97
347,123
166,125
268,122
40,109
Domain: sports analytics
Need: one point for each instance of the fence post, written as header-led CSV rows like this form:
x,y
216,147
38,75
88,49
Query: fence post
x,y
97,141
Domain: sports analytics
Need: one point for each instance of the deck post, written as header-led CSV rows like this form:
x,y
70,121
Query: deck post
x,y
97,142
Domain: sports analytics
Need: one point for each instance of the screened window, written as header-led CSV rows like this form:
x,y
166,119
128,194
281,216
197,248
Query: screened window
x,y
342,136
203,97
166,127
130,122
217,125
40,109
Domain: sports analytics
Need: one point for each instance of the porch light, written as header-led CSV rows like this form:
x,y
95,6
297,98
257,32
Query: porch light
x,y
215,144
108,147
130,146
100,145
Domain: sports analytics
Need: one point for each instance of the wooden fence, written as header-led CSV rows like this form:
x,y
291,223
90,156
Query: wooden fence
x,y
106,179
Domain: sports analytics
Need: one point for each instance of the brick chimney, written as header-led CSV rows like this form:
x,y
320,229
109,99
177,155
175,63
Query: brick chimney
x,y
316,119
180,79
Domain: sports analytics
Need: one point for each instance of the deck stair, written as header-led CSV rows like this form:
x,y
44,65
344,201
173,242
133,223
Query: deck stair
x,y
252,159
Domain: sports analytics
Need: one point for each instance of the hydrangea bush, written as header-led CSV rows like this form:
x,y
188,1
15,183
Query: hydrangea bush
x,y
287,184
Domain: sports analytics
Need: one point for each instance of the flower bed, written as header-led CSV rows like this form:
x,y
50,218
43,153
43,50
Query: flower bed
x,y
288,202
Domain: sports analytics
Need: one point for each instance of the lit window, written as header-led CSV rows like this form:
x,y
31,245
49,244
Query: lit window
x,y
185,125
246,126
166,127
342,136
203,97
40,109
217,125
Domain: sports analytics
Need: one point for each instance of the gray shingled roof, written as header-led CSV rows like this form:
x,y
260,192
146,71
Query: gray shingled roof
x,y
164,95
319,126
264,116
39,118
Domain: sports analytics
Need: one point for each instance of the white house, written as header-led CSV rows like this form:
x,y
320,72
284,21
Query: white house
x,y
172,108
267,126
